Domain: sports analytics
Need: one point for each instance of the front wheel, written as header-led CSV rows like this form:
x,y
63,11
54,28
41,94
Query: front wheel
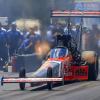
x,y
22,75
49,75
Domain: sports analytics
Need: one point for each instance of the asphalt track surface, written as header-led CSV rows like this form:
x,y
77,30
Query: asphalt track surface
x,y
72,90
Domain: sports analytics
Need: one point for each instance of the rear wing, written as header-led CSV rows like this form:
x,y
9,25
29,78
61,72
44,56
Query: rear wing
x,y
75,14
78,14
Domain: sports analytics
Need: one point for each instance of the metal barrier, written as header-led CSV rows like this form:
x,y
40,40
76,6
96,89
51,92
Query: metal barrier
x,y
29,62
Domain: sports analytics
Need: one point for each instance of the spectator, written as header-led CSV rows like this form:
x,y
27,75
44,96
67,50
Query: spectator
x,y
71,31
58,30
49,37
94,37
28,46
15,39
3,47
37,31
95,31
77,32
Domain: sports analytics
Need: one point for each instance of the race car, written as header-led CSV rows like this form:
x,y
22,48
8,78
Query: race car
x,y
64,63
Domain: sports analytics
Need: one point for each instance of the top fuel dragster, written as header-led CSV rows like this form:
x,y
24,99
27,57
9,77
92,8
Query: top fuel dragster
x,y
65,61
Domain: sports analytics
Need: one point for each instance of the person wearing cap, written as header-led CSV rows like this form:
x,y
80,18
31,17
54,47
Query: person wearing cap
x,y
58,30
3,46
49,37
14,39
32,31
28,46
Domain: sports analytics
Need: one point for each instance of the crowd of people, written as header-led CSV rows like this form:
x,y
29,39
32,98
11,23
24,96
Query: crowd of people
x,y
92,38
15,42
58,30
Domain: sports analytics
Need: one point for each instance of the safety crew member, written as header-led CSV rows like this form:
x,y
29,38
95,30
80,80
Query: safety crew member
x,y
32,32
3,46
36,37
14,38
28,46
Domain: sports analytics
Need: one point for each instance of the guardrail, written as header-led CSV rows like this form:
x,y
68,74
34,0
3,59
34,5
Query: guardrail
x,y
29,62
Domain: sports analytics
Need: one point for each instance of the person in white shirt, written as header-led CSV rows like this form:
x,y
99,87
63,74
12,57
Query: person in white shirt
x,y
49,37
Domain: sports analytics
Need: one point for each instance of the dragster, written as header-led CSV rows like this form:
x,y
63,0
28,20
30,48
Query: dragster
x,y
65,62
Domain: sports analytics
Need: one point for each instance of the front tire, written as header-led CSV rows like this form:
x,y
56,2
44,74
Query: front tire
x,y
22,75
49,75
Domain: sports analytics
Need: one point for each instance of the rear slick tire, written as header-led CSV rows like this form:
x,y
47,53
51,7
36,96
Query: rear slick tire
x,y
49,75
93,71
93,67
22,75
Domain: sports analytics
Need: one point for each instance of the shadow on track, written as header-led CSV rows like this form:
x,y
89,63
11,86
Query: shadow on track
x,y
56,85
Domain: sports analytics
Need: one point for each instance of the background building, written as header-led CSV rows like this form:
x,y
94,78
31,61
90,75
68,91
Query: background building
x,y
87,5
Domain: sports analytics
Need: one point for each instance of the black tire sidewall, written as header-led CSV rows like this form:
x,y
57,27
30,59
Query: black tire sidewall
x,y
22,75
49,75
93,71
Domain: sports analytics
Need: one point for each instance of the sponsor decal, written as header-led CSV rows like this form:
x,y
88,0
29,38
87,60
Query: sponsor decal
x,y
81,72
69,74
66,68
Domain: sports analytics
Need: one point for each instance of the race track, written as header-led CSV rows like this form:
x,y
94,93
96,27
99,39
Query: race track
x,y
72,90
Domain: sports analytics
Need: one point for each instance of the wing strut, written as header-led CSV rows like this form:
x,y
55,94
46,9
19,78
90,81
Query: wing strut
x,y
68,24
80,36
